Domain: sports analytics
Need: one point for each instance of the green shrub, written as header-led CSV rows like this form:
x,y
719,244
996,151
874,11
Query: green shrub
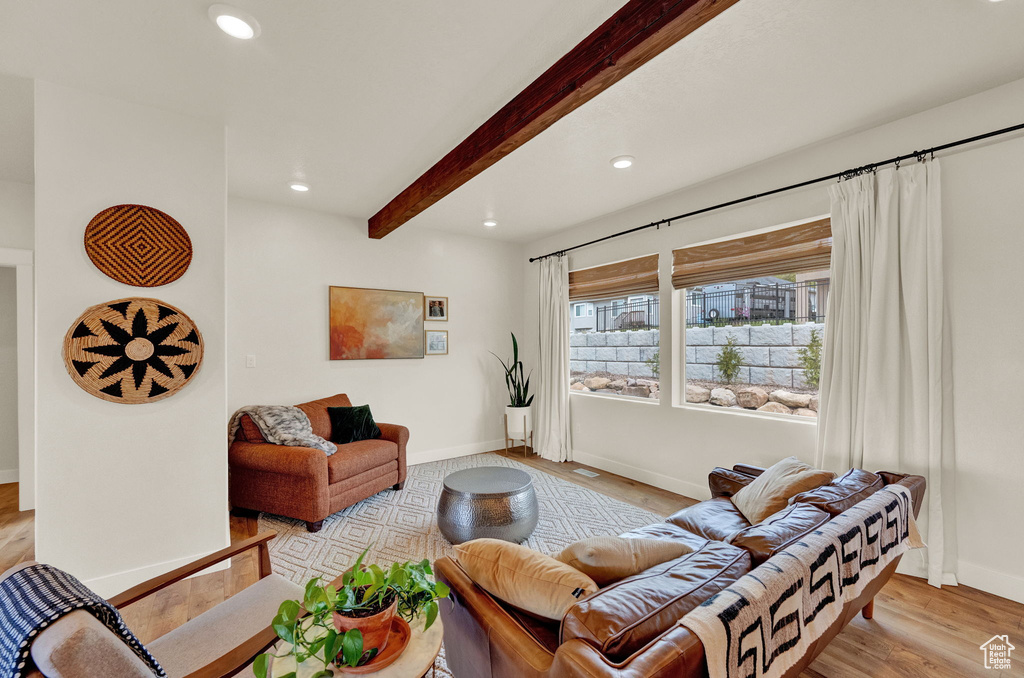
x,y
655,363
810,359
729,361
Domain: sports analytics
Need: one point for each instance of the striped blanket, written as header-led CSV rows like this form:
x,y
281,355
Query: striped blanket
x,y
37,596
768,620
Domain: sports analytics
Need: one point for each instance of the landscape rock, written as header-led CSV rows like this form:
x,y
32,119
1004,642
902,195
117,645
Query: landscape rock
x,y
649,383
607,390
596,383
697,394
805,412
636,391
774,407
618,384
814,403
631,382
722,397
578,387
751,397
790,399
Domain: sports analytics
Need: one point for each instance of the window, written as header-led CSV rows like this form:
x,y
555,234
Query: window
x,y
755,310
613,348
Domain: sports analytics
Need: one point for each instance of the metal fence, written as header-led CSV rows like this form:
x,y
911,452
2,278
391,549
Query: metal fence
x,y
633,315
746,303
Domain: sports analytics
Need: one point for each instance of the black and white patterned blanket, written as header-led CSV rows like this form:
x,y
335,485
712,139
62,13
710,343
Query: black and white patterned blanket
x,y
37,596
282,425
768,620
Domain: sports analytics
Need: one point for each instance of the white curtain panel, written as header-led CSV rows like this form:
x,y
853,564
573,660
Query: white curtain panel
x,y
886,384
552,431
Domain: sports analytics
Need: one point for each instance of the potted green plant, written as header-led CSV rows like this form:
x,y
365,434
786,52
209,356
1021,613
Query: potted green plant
x,y
350,625
518,416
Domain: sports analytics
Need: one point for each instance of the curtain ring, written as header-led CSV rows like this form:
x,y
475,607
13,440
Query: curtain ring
x,y
897,164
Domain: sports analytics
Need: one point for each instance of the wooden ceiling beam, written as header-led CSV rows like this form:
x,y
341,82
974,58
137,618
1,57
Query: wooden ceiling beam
x,y
638,32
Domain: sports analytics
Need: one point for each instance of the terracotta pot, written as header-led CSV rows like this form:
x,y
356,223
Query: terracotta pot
x,y
375,629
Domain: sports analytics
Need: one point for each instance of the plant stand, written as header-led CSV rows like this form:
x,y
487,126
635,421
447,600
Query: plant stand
x,y
510,443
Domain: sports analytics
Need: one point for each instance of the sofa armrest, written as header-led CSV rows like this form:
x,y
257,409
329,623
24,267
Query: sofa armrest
x,y
480,628
726,482
400,436
283,459
747,469
916,485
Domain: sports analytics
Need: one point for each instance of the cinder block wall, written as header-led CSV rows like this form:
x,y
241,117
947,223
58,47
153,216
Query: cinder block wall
x,y
770,352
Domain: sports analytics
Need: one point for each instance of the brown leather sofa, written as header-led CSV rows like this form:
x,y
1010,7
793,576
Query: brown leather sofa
x,y
304,483
629,629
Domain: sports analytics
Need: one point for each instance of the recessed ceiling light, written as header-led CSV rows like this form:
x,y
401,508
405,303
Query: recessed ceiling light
x,y
490,223
235,22
298,186
622,161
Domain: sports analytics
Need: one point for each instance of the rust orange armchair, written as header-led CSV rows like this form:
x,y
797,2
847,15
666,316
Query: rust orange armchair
x,y
306,484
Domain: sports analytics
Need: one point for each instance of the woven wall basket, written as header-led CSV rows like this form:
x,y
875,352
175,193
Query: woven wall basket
x,y
133,351
138,245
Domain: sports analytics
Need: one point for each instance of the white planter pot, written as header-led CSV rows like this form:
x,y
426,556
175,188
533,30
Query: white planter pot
x,y
519,421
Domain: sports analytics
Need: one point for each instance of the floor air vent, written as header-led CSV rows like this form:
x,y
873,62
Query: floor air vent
x,y
585,472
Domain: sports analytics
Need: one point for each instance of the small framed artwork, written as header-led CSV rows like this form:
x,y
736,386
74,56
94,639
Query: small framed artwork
x,y
435,308
437,342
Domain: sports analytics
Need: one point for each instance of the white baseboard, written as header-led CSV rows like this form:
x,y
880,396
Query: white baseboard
x,y
683,487
112,584
8,476
1002,584
427,456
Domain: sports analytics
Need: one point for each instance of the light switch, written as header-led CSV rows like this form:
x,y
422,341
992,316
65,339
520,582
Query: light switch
x,y
250,360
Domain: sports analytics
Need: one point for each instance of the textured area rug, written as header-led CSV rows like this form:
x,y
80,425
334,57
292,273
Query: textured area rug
x,y
401,525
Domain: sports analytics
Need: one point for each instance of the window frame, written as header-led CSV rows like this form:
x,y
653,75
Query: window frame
x,y
680,307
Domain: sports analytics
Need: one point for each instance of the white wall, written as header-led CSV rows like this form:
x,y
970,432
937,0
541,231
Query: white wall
x,y
126,491
16,215
8,376
675,447
281,262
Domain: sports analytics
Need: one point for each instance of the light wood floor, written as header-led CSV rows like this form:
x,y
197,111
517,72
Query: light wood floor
x,y
917,631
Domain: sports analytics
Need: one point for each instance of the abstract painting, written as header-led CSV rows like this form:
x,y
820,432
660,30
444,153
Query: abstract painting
x,y
375,324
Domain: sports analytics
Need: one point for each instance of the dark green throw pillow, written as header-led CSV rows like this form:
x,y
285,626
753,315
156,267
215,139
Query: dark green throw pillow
x,y
349,424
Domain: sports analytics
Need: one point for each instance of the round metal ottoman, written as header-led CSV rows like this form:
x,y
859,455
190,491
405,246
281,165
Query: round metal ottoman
x,y
488,501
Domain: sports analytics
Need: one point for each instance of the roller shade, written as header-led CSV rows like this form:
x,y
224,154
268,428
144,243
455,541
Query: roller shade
x,y
787,250
633,276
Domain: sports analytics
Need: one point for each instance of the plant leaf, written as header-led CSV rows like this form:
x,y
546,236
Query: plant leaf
x,y
352,647
260,666
431,609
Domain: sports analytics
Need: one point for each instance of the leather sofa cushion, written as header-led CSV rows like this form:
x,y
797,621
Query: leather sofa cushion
x,y
778,531
622,618
609,559
352,459
726,482
842,493
716,519
667,531
771,491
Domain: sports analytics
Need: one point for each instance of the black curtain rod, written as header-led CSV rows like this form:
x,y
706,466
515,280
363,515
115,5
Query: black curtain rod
x,y
847,174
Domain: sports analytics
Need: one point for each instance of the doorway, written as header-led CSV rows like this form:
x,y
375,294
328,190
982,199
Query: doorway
x,y
17,374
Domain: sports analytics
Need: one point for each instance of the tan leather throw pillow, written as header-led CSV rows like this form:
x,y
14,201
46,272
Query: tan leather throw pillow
x,y
522,577
608,559
770,492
